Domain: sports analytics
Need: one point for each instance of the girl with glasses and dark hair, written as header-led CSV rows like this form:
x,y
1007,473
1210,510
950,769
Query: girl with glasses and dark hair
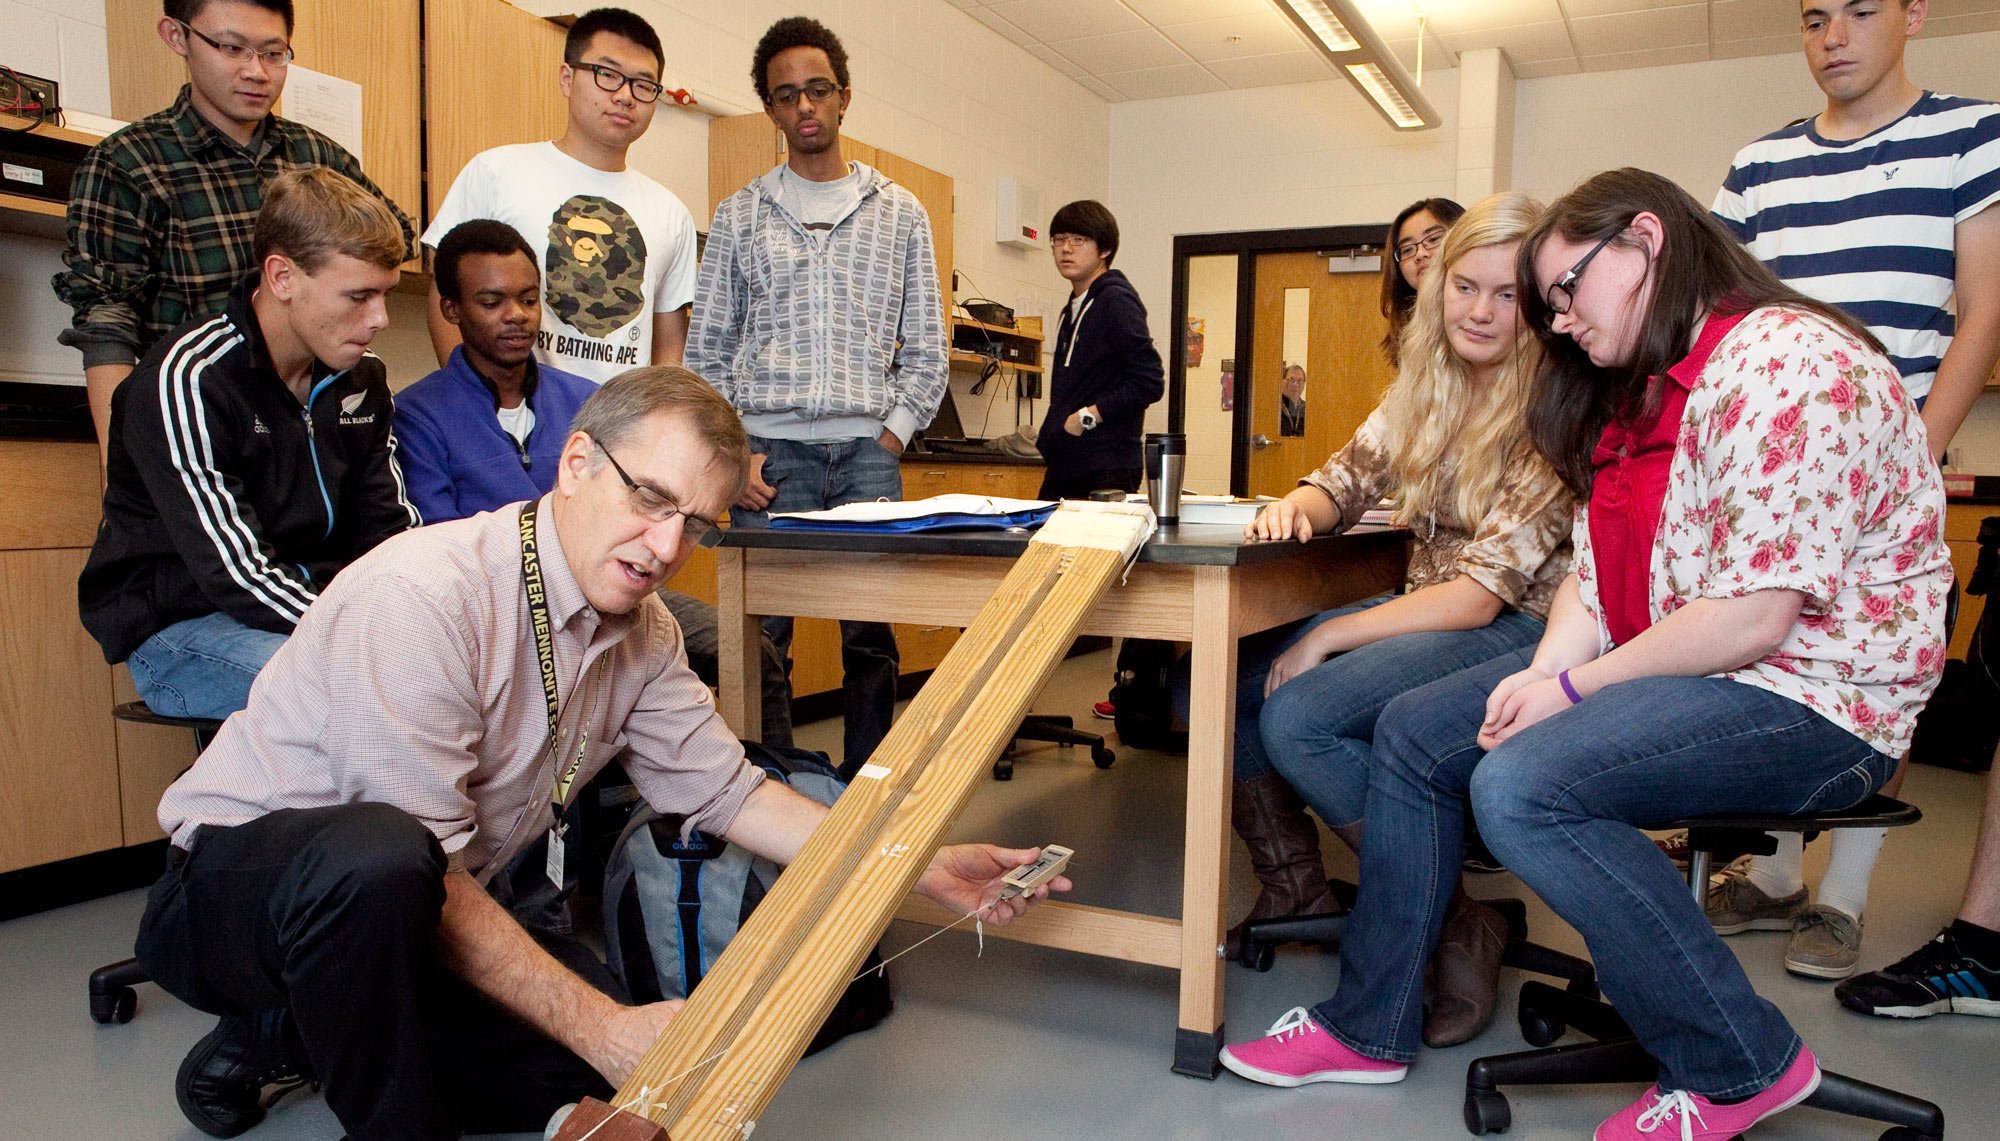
x,y
1755,617
1449,446
1407,251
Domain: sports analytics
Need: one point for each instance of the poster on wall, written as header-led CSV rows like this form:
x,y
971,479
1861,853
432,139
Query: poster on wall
x,y
1196,339
1228,384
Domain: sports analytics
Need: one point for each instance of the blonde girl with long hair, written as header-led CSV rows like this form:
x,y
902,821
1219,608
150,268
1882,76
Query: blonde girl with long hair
x,y
1449,446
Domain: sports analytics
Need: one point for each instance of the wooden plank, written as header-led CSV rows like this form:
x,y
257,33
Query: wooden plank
x,y
58,768
467,43
738,689
146,75
54,496
735,1088
1211,724
1149,939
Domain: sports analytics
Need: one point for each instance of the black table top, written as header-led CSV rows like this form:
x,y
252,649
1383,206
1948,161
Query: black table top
x,y
1198,544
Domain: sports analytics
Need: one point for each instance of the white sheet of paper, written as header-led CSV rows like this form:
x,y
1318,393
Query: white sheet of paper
x,y
326,103
887,510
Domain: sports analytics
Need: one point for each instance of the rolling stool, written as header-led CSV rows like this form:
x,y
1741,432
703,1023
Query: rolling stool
x,y
1061,731
112,998
1545,1013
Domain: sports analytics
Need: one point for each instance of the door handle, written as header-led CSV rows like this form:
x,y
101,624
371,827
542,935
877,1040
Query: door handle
x,y
1260,441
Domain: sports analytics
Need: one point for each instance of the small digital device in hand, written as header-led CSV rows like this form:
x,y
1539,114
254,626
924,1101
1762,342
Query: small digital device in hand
x,y
1027,878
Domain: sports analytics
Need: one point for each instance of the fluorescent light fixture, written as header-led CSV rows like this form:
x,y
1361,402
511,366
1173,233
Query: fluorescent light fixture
x,y
1344,37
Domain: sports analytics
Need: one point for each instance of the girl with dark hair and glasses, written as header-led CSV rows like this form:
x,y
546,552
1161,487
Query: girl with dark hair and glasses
x,y
1755,617
1409,249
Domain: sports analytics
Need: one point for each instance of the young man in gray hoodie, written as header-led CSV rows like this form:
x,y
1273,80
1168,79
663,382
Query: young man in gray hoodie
x,y
818,315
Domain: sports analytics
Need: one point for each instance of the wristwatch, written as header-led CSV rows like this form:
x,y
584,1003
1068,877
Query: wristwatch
x,y
1088,419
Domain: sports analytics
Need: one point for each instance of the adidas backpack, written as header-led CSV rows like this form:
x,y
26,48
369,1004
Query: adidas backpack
x,y
671,907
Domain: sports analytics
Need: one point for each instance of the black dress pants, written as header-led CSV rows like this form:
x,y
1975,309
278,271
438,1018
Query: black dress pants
x,y
333,912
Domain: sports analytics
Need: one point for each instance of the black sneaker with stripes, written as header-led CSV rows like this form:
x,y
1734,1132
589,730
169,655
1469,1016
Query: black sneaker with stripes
x,y
1938,978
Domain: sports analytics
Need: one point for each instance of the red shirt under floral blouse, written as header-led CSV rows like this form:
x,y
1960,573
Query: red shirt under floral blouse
x,y
1799,463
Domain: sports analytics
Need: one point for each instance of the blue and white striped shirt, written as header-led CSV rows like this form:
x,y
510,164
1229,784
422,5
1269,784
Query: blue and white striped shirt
x,y
1867,224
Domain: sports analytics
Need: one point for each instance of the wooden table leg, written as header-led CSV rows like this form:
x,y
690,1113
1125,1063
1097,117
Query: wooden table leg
x,y
739,679
1211,729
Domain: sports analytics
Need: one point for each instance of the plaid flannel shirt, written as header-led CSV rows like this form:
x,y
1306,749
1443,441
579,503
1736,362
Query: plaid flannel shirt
x,y
160,221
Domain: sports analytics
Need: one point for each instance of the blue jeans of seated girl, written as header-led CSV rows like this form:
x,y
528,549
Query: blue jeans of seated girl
x,y
1318,729
1561,802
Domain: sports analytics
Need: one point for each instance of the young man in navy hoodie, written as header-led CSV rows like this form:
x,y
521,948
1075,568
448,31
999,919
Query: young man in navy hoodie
x,y
1105,371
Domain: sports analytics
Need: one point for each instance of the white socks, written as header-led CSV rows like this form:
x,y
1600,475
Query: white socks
x,y
1849,865
1779,875
1848,868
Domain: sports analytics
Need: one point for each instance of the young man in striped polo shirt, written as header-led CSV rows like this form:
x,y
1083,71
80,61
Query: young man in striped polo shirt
x,y
1883,204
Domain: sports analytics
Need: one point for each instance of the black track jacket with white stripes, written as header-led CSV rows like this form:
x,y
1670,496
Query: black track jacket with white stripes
x,y
224,494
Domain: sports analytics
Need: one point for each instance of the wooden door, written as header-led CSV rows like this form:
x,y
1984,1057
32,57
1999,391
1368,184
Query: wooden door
x,y
1328,325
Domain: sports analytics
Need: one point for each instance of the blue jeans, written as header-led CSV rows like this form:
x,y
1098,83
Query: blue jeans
x,y
810,477
1318,729
202,667
1561,802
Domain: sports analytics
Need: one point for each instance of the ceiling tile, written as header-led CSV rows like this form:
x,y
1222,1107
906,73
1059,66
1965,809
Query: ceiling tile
x,y
1581,8
1048,20
1437,57
1261,33
1273,70
1763,45
1547,67
1754,19
1161,12
967,3
1122,51
1525,44
1649,57
1162,82
1398,17
1642,31
1101,89
999,24
1055,59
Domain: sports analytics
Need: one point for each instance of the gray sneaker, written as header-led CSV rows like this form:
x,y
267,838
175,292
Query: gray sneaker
x,y
1735,904
1826,943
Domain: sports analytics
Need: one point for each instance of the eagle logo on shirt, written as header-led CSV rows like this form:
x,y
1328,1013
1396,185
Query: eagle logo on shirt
x,y
596,262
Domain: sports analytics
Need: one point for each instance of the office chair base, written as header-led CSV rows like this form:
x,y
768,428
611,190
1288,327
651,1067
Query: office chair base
x,y
112,998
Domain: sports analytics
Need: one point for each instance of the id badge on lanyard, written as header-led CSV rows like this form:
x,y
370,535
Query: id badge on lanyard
x,y
545,656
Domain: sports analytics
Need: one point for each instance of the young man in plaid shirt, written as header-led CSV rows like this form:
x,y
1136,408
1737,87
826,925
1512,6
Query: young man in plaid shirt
x,y
161,212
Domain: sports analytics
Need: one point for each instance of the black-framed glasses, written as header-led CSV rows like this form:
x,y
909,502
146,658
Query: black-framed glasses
x,y
658,506
1562,292
819,91
611,79
1430,240
237,53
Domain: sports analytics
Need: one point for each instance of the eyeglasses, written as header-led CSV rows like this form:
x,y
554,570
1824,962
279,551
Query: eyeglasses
x,y
1428,242
659,507
237,53
1069,242
1562,293
611,79
819,91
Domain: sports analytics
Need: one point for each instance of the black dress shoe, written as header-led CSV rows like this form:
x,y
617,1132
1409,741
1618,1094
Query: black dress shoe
x,y
222,1080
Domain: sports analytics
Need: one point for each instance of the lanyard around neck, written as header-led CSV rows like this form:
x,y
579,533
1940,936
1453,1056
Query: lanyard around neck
x,y
545,654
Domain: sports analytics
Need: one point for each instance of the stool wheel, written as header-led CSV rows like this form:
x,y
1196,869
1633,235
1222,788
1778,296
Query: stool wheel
x,y
117,1005
1103,758
1258,956
1003,769
1486,1112
1539,1029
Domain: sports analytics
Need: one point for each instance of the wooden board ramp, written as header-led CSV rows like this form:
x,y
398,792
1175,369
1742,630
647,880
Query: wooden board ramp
x,y
722,1059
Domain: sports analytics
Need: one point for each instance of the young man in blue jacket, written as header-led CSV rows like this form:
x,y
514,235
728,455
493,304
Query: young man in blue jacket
x,y
486,430
821,321
1105,371
250,455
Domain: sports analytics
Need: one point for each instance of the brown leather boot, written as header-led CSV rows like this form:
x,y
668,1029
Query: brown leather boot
x,y
1465,981
1284,853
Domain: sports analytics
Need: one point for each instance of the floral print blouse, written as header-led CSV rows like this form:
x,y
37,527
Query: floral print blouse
x,y
1520,551
1802,465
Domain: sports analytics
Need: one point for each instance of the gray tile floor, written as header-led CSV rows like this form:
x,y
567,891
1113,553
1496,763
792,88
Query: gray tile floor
x,y
1025,1043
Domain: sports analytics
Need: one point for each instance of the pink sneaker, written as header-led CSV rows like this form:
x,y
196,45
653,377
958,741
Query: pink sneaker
x,y
1297,1052
1692,1117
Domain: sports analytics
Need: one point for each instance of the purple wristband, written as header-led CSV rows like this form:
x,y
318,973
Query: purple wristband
x,y
1569,690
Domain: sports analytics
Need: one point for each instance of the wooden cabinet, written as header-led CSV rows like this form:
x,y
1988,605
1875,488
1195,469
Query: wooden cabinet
x,y
375,43
467,44
1961,534
68,785
742,147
